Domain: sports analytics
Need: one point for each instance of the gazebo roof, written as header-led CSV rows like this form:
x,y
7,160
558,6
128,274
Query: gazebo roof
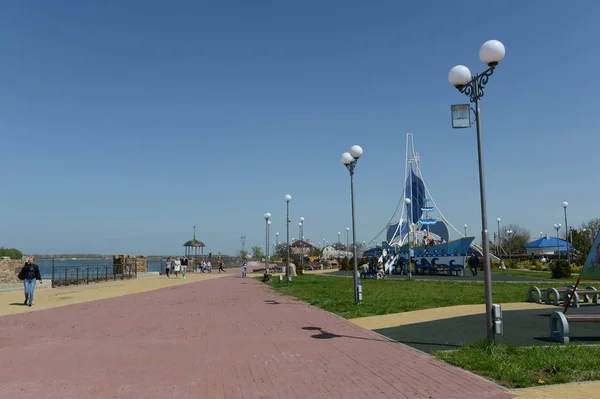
x,y
194,243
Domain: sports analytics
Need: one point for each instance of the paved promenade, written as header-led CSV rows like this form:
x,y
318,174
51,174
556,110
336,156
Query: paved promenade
x,y
224,338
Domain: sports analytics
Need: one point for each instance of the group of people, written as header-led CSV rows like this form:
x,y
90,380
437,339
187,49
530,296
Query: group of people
x,y
180,265
176,266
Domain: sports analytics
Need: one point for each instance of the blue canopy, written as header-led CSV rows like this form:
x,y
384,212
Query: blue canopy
x,y
550,242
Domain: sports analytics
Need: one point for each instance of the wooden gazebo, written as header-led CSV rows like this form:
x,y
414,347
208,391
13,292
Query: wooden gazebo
x,y
191,249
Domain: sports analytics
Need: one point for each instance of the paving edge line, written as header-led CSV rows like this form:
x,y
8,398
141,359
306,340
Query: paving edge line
x,y
573,389
422,316
58,297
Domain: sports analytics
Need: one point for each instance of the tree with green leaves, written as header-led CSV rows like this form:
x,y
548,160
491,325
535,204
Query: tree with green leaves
x,y
583,238
257,252
244,254
12,253
513,239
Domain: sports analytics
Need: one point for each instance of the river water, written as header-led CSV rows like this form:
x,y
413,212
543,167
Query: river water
x,y
46,265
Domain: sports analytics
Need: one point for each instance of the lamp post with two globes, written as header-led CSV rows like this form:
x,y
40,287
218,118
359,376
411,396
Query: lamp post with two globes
x,y
349,159
498,239
347,231
557,228
490,53
287,198
302,243
267,224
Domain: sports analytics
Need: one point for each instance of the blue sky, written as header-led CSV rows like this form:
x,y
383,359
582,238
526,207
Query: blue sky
x,y
125,123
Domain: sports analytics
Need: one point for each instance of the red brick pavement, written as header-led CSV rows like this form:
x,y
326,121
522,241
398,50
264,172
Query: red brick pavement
x,y
223,338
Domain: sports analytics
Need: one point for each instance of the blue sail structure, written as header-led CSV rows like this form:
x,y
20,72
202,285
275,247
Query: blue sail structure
x,y
421,240
416,189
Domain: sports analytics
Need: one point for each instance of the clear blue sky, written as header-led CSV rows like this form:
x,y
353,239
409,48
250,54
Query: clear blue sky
x,y
125,123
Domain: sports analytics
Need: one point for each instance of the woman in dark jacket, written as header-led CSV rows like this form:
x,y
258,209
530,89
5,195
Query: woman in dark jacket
x,y
29,273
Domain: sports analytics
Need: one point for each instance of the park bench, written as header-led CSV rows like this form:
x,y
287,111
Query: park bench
x,y
590,295
556,293
534,294
559,324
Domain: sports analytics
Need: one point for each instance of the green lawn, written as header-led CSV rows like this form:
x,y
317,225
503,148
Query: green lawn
x,y
528,273
335,294
518,366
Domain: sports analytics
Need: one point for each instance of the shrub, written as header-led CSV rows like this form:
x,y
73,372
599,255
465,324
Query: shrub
x,y
560,269
12,253
526,264
345,264
576,269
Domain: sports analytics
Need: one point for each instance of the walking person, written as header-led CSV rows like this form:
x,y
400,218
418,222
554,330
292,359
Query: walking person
x,y
221,266
168,265
244,268
184,266
28,274
177,267
473,263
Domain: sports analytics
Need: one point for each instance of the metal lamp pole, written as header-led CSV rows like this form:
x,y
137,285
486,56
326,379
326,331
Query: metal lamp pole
x,y
301,234
510,237
565,204
347,231
268,238
498,238
267,223
557,228
287,198
465,230
349,159
490,53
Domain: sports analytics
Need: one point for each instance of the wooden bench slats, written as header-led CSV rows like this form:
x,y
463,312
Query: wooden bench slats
x,y
592,318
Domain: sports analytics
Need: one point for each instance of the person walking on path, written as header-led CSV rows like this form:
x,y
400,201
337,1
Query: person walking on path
x,y
473,263
29,273
184,266
177,267
221,266
244,268
168,267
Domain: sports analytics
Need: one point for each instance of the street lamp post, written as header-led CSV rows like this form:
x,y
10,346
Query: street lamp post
x,y
465,230
339,241
409,228
347,231
267,223
302,243
565,204
349,159
498,238
509,234
557,228
287,198
490,53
